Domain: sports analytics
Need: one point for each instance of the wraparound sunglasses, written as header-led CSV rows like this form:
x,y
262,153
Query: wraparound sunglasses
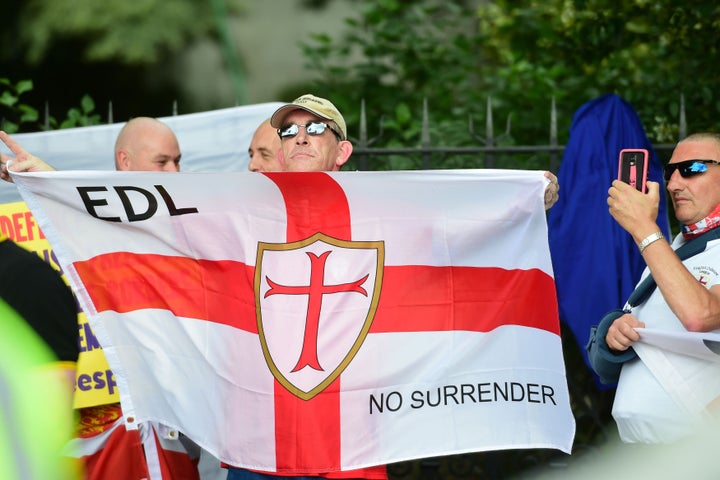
x,y
688,168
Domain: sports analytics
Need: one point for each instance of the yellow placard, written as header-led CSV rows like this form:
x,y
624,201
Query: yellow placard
x,y
95,382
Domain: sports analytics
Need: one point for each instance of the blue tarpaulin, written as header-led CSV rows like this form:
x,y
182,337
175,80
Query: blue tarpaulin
x,y
596,263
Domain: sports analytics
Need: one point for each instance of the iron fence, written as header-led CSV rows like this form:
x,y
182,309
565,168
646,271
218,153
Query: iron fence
x,y
489,153
484,155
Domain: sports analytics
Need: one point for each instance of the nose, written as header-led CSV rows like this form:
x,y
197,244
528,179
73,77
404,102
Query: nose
x,y
253,165
675,181
302,136
172,167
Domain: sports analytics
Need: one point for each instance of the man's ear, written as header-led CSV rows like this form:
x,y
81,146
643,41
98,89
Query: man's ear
x,y
345,149
122,160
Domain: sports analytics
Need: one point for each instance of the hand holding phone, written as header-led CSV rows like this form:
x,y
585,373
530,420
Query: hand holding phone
x,y
633,167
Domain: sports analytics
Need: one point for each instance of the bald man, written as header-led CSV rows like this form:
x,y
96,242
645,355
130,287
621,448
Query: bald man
x,y
143,144
264,149
147,144
107,449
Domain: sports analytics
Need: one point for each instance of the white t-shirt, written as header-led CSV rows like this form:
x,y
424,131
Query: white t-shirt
x,y
643,410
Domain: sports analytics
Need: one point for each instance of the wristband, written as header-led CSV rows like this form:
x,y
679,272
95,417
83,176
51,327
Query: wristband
x,y
649,239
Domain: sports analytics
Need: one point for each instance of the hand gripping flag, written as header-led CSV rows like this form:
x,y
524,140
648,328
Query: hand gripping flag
x,y
320,321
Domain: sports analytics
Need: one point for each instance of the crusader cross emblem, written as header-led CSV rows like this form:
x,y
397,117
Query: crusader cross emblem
x,y
315,301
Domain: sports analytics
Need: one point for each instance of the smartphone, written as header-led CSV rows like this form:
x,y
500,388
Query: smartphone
x,y
633,167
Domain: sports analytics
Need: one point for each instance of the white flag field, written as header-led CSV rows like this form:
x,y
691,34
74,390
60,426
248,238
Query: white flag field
x,y
320,321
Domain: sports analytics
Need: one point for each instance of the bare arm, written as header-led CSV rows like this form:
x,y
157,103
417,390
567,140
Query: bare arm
x,y
695,306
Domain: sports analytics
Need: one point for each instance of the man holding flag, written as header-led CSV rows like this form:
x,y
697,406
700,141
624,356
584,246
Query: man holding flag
x,y
313,136
321,379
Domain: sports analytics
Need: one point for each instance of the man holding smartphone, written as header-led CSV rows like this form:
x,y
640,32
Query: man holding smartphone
x,y
652,402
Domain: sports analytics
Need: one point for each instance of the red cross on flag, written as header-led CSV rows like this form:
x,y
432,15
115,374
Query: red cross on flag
x,y
315,322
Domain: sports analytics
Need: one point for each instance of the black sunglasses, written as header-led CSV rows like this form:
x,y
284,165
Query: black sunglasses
x,y
311,128
688,168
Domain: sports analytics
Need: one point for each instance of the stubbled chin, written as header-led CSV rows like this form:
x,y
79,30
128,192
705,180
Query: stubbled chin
x,y
680,204
300,163
683,216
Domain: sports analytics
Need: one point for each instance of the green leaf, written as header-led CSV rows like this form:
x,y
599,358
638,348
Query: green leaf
x,y
402,113
8,99
28,114
24,86
87,104
10,127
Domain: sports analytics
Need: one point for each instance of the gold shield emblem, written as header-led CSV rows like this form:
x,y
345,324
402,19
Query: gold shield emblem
x,y
315,301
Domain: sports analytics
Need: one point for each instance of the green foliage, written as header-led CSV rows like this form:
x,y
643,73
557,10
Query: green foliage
x,y
459,53
13,113
407,51
83,116
648,52
135,32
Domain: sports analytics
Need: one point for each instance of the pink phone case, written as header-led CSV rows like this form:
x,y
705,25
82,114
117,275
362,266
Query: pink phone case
x,y
633,166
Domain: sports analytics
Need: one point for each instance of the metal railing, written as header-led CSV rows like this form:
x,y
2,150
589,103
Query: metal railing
x,y
484,155
488,149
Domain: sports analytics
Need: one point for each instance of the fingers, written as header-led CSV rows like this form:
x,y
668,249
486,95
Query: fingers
x,y
653,189
23,161
551,197
551,191
618,186
622,334
14,147
4,175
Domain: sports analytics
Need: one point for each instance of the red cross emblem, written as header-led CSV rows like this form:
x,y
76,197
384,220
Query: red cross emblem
x,y
315,300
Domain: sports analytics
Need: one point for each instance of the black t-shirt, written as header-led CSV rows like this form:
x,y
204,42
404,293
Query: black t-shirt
x,y
38,293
